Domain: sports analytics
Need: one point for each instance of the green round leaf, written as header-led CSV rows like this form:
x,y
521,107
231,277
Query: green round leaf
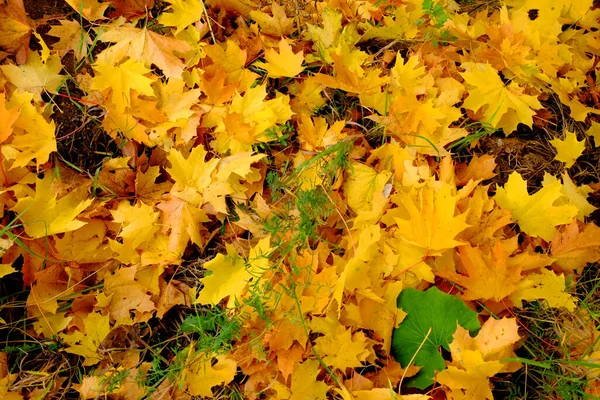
x,y
435,310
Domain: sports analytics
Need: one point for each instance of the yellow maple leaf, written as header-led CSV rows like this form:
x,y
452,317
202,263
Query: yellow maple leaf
x,y
33,136
231,59
144,46
305,384
569,149
507,106
575,246
471,381
121,80
15,29
474,360
201,374
6,269
126,294
594,132
574,195
327,37
42,214
229,277
361,185
71,36
536,214
339,348
495,342
231,273
35,76
86,343
192,175
184,222
185,13
486,274
429,219
276,25
546,285
138,223
91,10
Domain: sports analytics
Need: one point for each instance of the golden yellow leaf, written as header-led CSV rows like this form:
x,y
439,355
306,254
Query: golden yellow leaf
x,y
184,222
276,25
495,342
138,223
121,80
568,149
546,285
485,273
86,343
200,374
472,380
536,214
507,106
184,13
573,195
362,184
44,215
229,277
575,246
35,76
15,29
6,269
192,175
125,295
594,132
144,46
305,384
92,10
71,36
429,221
339,348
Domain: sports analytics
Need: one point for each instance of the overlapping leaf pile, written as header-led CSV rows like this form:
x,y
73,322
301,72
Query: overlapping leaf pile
x,y
304,152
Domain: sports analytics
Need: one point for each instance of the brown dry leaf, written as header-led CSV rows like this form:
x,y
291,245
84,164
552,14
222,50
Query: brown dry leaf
x,y
575,246
130,8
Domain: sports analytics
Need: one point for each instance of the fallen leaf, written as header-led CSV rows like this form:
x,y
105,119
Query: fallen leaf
x,y
184,13
305,384
201,375
120,80
35,76
43,215
536,214
432,318
286,63
569,149
86,343
546,285
507,106
144,46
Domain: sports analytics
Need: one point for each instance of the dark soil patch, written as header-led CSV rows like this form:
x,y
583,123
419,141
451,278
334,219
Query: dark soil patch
x,y
49,9
531,156
80,138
